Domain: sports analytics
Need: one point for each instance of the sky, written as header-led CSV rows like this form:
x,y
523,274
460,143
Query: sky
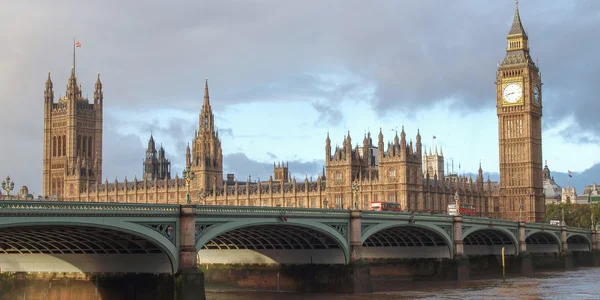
x,y
283,74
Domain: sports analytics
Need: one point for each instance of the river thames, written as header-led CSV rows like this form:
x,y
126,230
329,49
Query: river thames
x,y
577,284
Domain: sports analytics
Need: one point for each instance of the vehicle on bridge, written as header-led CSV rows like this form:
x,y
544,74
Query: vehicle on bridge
x,y
385,206
465,209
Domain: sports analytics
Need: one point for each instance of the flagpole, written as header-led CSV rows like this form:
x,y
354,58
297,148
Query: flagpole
x,y
74,54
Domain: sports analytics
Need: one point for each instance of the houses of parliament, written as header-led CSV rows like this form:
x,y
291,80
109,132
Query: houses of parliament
x,y
374,169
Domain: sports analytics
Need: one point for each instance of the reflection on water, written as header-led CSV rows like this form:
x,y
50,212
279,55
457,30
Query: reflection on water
x,y
577,284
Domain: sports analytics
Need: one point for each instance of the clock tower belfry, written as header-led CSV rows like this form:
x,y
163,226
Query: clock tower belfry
x,y
519,109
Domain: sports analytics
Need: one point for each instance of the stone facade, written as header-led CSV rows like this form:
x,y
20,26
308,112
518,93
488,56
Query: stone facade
x,y
156,165
392,175
397,171
519,109
72,139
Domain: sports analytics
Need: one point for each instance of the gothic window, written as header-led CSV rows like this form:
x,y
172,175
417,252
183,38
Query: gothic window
x,y
78,151
365,201
313,202
339,201
392,173
338,177
90,146
206,122
64,143
59,145
392,197
54,146
84,149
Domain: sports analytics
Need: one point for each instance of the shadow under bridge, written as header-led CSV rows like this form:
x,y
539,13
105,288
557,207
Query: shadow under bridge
x,y
272,243
405,241
80,248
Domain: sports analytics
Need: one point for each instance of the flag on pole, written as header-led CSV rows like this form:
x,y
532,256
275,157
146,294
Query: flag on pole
x,y
77,44
570,173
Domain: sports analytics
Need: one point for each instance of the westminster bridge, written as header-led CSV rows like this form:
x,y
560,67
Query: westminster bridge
x,y
177,245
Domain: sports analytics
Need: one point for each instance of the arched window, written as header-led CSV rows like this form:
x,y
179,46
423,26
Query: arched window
x,y
392,173
338,177
64,142
78,149
90,146
54,146
84,149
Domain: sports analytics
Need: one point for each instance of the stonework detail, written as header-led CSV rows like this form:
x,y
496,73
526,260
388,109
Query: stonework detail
x,y
398,171
519,109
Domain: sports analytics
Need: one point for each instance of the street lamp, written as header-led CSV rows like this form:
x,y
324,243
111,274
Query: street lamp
x,y
188,176
355,188
456,198
521,211
325,203
8,185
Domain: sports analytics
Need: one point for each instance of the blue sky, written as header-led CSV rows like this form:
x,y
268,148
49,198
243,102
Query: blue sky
x,y
283,75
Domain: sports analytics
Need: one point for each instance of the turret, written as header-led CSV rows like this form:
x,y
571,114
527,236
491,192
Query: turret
x,y
403,139
418,141
188,156
98,95
49,92
380,144
327,148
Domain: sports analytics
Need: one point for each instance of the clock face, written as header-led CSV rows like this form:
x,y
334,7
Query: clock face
x,y
512,93
536,94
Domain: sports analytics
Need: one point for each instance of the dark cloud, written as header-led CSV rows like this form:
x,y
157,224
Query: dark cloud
x,y
327,114
412,53
225,132
242,166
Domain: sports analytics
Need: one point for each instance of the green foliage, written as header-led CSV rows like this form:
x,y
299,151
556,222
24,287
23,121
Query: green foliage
x,y
576,215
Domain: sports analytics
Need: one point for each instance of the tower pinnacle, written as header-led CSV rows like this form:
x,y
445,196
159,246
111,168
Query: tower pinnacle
x,y
517,27
206,97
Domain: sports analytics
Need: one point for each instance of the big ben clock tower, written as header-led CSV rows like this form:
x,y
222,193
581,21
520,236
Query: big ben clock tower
x,y
519,108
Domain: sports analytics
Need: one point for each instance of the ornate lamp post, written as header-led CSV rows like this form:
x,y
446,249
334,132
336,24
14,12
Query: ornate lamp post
x,y
456,198
326,203
8,185
188,176
355,188
521,211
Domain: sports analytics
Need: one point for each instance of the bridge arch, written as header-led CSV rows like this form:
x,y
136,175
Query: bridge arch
x,y
91,244
578,242
486,240
539,241
393,240
266,241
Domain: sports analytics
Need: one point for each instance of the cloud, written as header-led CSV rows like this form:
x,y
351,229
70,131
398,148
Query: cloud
x,y
242,166
400,56
271,155
327,114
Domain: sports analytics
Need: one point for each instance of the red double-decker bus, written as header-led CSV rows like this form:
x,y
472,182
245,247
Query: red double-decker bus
x,y
465,209
385,206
